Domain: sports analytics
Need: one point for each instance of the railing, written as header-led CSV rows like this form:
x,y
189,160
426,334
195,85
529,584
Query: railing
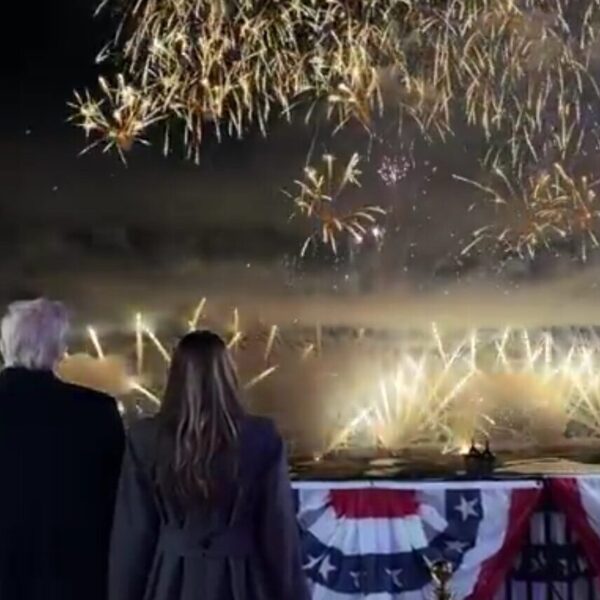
x,y
552,564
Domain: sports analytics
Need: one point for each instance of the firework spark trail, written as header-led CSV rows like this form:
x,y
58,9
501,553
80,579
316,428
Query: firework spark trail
x,y
198,312
272,336
343,434
419,400
141,329
137,387
93,335
237,334
157,343
139,343
260,377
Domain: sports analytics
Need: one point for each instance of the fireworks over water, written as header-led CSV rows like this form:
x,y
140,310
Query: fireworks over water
x,y
426,389
515,81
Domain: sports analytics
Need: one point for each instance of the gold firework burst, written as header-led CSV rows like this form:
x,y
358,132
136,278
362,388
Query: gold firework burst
x,y
119,119
516,70
318,195
521,74
548,206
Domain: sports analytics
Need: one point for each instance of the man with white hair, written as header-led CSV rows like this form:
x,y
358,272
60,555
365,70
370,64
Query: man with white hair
x,y
60,455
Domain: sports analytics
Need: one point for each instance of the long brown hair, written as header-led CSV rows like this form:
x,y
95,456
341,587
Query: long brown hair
x,y
201,412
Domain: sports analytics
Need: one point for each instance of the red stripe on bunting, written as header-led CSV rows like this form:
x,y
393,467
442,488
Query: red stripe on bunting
x,y
373,503
494,570
567,496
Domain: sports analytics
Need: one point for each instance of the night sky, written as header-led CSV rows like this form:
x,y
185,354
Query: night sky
x,y
101,233
59,60
67,212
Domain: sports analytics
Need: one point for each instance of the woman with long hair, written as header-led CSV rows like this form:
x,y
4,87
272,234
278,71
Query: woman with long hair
x,y
204,509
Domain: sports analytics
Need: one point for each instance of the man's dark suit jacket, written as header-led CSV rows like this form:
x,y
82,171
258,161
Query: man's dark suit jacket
x,y
60,454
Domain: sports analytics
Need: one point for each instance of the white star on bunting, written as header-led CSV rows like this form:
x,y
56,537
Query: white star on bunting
x,y
356,577
564,563
466,508
312,562
395,575
456,546
326,568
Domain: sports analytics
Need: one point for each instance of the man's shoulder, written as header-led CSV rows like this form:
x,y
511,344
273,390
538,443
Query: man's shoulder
x,y
88,395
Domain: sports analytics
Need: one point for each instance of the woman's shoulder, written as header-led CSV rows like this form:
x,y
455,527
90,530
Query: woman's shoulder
x,y
262,425
261,429
141,429
260,436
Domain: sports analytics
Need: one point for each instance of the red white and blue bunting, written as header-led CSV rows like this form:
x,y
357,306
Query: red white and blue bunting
x,y
375,540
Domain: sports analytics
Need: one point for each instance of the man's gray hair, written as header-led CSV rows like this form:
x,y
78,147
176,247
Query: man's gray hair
x,y
34,334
